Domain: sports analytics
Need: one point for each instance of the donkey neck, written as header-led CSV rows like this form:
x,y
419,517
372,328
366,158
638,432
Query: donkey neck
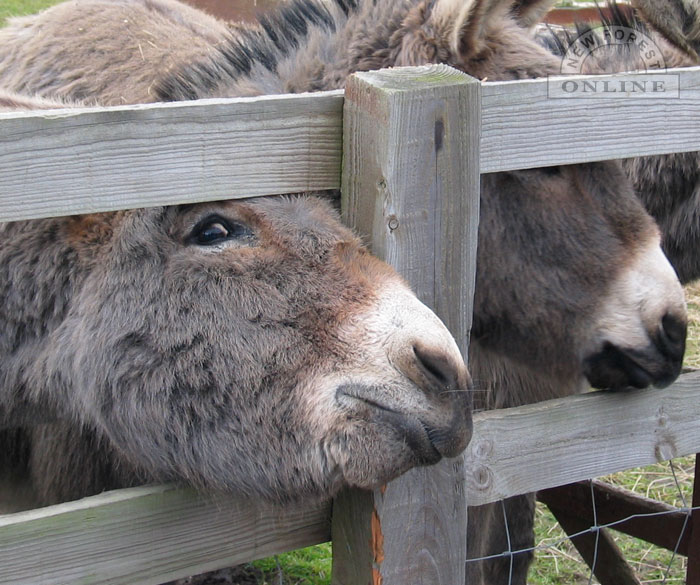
x,y
365,38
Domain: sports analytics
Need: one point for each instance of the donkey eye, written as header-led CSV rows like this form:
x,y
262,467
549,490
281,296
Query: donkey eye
x,y
215,230
211,233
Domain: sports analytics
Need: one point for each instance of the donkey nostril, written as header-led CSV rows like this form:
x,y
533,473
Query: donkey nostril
x,y
671,337
436,367
674,328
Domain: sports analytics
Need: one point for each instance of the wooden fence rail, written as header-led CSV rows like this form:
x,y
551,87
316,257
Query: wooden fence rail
x,y
149,535
102,159
530,448
414,141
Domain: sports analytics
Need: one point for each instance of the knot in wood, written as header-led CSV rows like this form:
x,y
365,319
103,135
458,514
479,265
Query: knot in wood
x,y
393,222
483,448
483,478
661,417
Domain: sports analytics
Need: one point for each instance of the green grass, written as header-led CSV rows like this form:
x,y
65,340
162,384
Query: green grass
x,y
562,565
307,566
20,7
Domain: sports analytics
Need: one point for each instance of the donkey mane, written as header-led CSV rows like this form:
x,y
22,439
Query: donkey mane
x,y
559,38
613,16
281,31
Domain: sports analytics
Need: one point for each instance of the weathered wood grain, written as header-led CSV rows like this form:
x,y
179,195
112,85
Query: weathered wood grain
x,y
411,185
66,162
524,127
525,449
145,536
63,162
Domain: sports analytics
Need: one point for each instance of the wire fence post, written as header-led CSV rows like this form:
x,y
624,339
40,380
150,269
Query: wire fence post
x,y
411,186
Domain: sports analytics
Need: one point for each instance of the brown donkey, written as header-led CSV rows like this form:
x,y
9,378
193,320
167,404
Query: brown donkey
x,y
572,286
247,346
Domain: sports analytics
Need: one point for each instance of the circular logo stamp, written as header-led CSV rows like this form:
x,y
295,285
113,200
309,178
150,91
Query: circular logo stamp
x,y
613,61
612,48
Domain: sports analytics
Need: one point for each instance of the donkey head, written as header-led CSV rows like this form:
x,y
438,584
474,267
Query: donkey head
x,y
571,278
249,346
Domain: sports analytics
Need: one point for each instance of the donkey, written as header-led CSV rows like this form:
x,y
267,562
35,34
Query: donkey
x,y
572,287
251,346
669,185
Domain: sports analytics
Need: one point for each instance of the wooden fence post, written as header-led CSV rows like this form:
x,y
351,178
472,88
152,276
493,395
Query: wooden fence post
x,y
411,185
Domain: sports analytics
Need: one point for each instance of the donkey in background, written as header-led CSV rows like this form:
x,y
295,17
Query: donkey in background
x,y
669,185
159,36
562,250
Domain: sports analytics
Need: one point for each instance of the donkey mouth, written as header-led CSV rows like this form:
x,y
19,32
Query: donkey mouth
x,y
616,368
429,443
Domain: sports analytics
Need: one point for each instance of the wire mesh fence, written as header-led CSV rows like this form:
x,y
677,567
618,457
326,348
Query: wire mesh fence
x,y
572,550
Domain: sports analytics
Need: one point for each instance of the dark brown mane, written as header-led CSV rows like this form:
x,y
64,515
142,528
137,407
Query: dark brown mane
x,y
281,31
599,34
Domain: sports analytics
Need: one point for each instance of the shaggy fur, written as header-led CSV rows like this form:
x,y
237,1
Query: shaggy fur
x,y
12,102
555,245
142,41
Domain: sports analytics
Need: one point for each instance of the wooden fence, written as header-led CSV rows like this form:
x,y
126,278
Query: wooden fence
x,y
411,143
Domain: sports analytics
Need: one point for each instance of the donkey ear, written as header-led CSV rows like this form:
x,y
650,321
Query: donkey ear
x,y
466,22
531,12
678,21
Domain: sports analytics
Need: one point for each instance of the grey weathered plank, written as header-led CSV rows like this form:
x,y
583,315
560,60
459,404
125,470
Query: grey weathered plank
x,y
525,449
523,127
104,159
148,535
65,162
61,162
411,184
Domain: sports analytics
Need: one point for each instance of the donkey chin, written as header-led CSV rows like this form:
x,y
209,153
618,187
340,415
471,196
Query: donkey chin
x,y
440,430
641,343
378,444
